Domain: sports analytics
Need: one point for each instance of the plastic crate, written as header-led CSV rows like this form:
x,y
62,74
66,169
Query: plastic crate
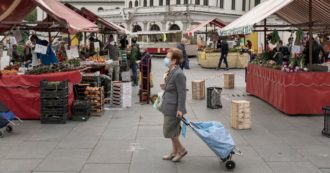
x,y
53,85
214,97
326,129
54,102
56,94
54,119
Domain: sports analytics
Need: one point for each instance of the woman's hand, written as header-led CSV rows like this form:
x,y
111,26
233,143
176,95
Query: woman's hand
x,y
179,114
162,86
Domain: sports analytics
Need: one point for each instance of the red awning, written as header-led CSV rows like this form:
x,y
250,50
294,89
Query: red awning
x,y
15,10
215,22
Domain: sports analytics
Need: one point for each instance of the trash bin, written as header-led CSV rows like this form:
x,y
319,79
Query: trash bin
x,y
214,97
326,129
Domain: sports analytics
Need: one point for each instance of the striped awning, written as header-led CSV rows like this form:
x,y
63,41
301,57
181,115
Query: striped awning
x,y
12,12
291,11
215,22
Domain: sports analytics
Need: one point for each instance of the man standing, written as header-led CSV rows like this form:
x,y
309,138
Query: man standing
x,y
135,55
48,58
224,53
182,47
113,55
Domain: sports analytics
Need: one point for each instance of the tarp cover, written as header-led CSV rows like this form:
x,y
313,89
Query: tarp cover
x,y
291,93
215,22
215,136
21,93
17,10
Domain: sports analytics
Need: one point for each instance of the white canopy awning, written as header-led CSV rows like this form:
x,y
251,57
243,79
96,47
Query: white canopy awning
x,y
292,11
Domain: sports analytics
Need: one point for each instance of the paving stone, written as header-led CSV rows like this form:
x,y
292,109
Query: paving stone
x,y
105,168
293,167
61,160
200,164
112,151
282,153
150,131
18,165
295,138
79,140
31,150
120,133
318,155
51,133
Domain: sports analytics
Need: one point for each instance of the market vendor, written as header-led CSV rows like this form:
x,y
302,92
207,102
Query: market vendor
x,y
61,53
48,58
317,48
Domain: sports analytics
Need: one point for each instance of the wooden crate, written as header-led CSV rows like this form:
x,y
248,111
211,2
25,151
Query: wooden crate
x,y
240,114
229,81
198,89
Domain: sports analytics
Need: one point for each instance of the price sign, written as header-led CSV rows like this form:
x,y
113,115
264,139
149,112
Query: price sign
x,y
40,49
296,49
97,46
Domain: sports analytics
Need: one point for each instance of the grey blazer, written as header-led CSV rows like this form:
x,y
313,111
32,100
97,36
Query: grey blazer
x,y
174,98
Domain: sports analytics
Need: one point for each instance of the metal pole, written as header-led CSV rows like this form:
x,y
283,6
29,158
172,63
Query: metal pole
x,y
310,32
265,35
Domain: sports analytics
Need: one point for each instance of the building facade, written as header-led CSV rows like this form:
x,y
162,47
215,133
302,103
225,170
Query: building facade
x,y
170,15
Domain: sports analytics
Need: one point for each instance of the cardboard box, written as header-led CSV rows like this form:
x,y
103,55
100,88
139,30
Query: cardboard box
x,y
240,114
198,89
229,81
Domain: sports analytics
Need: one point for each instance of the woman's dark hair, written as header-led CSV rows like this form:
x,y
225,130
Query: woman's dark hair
x,y
176,55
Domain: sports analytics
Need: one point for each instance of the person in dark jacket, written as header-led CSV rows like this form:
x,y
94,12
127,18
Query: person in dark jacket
x,y
224,53
182,47
112,49
135,55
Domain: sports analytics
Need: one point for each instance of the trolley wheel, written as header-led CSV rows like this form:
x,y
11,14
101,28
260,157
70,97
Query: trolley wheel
x,y
230,164
1,134
9,129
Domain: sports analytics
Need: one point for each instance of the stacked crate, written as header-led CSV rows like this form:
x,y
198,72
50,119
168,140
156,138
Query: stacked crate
x,y
91,78
96,97
54,107
326,128
198,89
79,91
229,81
122,94
81,110
240,114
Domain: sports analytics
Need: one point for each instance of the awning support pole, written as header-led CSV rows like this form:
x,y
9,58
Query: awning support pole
x,y
265,35
310,32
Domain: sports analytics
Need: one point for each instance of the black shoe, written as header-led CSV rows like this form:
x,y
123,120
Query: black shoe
x,y
227,69
218,68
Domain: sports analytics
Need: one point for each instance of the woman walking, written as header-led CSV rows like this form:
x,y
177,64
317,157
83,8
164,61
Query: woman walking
x,y
174,103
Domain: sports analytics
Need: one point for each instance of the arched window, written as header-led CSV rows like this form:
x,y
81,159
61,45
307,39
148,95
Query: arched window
x,y
100,9
185,2
221,3
151,3
198,2
174,27
130,4
167,2
137,28
145,3
161,2
136,3
206,2
178,2
154,27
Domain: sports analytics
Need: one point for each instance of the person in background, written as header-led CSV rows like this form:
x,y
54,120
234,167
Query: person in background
x,y
27,53
182,47
61,53
123,43
112,49
316,50
91,50
145,69
50,57
224,53
135,55
16,58
249,44
174,103
290,44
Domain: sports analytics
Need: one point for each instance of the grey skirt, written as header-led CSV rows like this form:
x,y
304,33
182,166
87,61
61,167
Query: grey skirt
x,y
171,127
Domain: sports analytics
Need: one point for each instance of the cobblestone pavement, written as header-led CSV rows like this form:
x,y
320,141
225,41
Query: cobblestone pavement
x,y
131,140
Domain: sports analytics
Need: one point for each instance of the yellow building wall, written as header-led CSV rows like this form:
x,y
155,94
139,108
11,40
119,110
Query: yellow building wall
x,y
253,37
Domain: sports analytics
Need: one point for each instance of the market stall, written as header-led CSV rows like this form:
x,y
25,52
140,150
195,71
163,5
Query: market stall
x,y
294,82
21,86
208,54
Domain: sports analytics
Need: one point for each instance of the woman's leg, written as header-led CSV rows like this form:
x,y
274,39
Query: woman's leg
x,y
181,151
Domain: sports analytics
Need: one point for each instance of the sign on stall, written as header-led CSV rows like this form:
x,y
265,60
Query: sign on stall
x,y
97,46
72,52
296,49
40,49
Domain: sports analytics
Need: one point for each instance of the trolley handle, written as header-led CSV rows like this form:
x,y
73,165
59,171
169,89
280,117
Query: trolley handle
x,y
184,120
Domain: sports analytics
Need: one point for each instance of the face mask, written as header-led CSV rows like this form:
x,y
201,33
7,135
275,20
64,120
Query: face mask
x,y
166,62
